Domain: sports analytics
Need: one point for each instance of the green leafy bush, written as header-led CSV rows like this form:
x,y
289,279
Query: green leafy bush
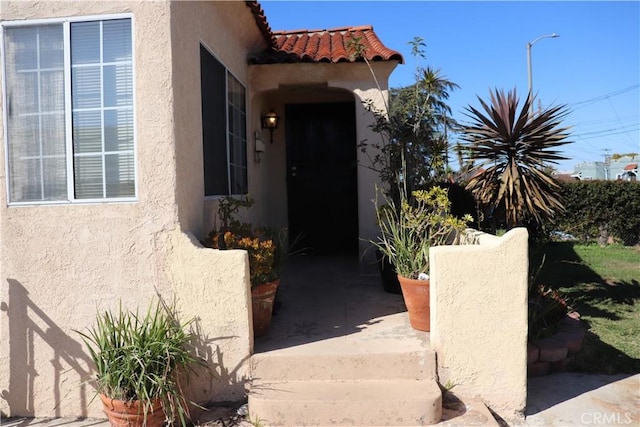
x,y
601,210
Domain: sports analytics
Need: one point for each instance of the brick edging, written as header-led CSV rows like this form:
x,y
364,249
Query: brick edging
x,y
555,353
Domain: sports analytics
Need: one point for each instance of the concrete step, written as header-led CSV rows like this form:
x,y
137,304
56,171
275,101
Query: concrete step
x,y
398,402
465,412
281,366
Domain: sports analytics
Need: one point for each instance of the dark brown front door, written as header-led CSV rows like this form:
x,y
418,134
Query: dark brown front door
x,y
322,176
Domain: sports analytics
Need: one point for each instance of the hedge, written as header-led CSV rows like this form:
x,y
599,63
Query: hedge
x,y
603,210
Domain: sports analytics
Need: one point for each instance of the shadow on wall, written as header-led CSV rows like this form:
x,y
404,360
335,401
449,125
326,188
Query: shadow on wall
x,y
202,387
26,322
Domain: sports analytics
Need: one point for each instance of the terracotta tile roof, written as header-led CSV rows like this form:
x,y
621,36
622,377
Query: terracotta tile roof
x,y
566,177
261,21
324,46
316,45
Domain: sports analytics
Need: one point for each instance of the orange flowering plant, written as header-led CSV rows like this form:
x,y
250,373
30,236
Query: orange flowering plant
x,y
267,248
262,256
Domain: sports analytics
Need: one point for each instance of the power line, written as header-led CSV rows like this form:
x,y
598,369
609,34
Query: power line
x,y
605,96
586,123
618,117
621,129
593,134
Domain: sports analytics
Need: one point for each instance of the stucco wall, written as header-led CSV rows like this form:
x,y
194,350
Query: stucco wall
x,y
229,31
212,287
61,263
479,318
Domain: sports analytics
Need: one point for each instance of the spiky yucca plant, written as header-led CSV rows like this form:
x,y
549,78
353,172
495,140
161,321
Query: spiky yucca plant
x,y
512,151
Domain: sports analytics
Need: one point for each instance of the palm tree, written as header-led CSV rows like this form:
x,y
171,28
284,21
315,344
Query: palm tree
x,y
418,124
512,152
413,126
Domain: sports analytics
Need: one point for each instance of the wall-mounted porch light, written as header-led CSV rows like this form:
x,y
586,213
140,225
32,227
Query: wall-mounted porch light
x,y
270,121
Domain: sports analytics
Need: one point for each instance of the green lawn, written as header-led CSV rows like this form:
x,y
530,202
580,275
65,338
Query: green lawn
x,y
603,285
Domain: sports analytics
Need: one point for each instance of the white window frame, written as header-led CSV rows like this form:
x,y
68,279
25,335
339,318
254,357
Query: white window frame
x,y
68,108
228,73
230,133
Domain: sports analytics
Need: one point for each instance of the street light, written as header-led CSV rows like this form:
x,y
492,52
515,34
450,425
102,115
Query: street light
x,y
554,35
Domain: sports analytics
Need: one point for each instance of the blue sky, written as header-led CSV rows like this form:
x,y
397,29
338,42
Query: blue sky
x,y
593,66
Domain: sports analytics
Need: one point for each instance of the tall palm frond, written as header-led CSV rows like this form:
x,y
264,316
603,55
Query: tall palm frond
x,y
419,120
512,150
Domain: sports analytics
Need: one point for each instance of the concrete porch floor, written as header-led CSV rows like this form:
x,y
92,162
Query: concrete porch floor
x,y
331,322
324,306
340,351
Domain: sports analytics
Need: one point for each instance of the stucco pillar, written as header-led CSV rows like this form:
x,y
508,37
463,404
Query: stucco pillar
x,y
479,318
368,178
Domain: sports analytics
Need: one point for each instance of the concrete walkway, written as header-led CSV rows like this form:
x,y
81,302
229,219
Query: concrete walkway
x,y
575,399
568,399
326,304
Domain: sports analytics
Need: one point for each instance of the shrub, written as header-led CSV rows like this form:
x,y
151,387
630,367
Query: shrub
x,y
261,247
601,210
546,308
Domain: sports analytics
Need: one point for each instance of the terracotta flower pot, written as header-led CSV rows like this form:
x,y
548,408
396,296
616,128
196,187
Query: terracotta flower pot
x,y
130,414
388,274
417,299
262,297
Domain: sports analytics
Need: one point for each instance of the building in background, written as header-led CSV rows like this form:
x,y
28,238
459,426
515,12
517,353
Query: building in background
x,y
623,168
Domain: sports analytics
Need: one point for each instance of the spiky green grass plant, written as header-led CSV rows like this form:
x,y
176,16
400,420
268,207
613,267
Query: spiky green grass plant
x,y
142,357
409,230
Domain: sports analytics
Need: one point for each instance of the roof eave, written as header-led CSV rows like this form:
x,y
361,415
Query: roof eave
x,y
261,22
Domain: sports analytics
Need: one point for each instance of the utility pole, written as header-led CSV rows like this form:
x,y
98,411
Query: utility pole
x,y
607,157
446,142
530,68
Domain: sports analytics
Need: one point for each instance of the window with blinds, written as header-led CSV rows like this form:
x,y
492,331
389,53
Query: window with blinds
x,y
69,111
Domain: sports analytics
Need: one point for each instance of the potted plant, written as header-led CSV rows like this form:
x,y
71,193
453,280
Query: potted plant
x,y
407,230
140,360
267,250
413,148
